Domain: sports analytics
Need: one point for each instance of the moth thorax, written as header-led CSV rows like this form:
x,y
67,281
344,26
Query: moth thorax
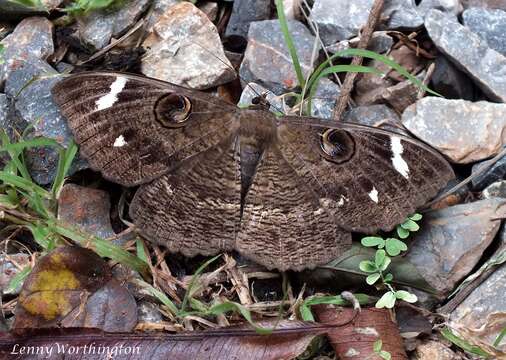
x,y
337,145
172,110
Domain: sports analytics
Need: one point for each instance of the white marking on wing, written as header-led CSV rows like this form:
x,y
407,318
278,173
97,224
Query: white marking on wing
x,y
110,99
399,163
374,195
120,141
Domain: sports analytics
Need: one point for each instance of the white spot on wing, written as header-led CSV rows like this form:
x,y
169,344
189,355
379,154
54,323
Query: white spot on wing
x,y
110,99
119,142
399,163
374,195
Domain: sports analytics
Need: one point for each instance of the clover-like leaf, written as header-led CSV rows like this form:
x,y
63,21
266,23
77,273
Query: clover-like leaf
x,y
403,233
385,355
371,279
378,344
379,258
386,263
406,296
410,225
395,246
388,278
387,300
371,241
416,217
368,266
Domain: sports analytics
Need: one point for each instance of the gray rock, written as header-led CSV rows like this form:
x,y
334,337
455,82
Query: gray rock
x,y
490,25
434,350
449,6
267,60
380,116
4,110
452,241
8,270
32,38
97,28
487,4
497,189
380,42
470,53
495,173
324,99
184,48
481,316
401,14
451,82
148,312
253,90
340,19
462,130
244,13
30,87
159,8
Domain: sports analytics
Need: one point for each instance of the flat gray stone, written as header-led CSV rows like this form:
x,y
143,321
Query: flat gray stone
x,y
324,99
490,25
401,14
481,316
32,38
185,49
253,90
380,42
449,6
97,28
244,12
159,8
452,240
340,19
462,130
487,4
267,60
469,52
379,115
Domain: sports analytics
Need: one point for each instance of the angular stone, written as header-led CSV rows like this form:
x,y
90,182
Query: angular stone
x,y
10,266
159,8
267,60
451,82
495,173
31,86
148,312
433,350
324,99
462,130
449,6
380,116
185,49
97,28
452,241
340,19
253,90
497,189
490,25
244,12
470,53
401,14
487,4
32,38
482,314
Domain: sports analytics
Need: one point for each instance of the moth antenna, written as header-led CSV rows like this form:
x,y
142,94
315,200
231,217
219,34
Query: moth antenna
x,y
232,69
488,164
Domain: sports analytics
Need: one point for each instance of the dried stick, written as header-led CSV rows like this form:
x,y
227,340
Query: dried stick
x,y
365,37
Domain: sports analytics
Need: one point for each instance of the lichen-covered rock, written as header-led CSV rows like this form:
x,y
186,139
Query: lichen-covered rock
x,y
490,25
184,48
464,131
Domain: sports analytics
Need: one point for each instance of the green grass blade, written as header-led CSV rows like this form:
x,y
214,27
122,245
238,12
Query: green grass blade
x,y
102,247
232,306
190,291
15,156
499,338
289,42
464,345
305,307
25,144
157,294
141,251
24,184
17,280
64,162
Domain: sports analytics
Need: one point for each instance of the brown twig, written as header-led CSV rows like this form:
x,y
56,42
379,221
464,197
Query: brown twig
x,y
365,37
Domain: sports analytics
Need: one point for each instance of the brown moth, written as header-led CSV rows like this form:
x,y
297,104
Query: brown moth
x,y
283,191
